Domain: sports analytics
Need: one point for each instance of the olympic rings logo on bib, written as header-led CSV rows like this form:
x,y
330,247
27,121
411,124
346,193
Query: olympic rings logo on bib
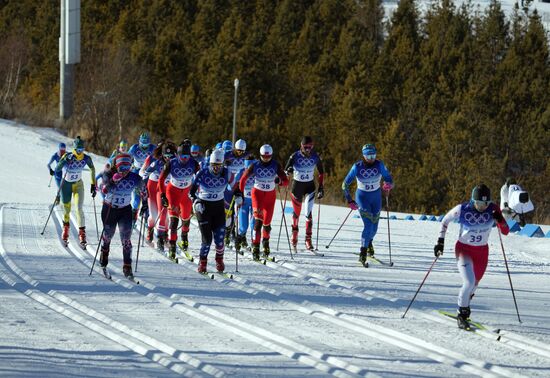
x,y
179,172
369,172
262,172
125,185
474,219
305,162
214,181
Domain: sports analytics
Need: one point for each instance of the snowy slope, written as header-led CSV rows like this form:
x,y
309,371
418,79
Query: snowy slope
x,y
310,316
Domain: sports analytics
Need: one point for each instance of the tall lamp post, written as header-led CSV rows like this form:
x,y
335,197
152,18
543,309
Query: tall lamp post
x,y
69,55
236,85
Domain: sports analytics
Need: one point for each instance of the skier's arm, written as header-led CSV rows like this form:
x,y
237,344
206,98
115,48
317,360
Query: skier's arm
x,y
321,172
453,214
163,175
352,174
289,167
501,222
247,173
62,162
90,164
386,174
282,175
195,186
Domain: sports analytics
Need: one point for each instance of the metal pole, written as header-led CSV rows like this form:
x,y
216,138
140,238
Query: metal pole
x,y
66,71
337,231
508,271
388,217
420,287
236,85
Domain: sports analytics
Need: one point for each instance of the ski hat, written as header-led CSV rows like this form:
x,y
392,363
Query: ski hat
x,y
123,162
217,156
266,152
195,149
240,145
227,145
218,145
168,150
368,149
481,193
307,140
184,149
78,143
62,147
123,145
144,140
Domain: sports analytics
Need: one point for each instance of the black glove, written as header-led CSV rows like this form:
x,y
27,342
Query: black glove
x,y
51,172
497,215
505,204
320,192
277,180
289,171
93,190
144,208
164,200
57,198
438,248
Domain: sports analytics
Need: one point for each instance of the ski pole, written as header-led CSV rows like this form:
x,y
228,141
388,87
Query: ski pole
x,y
281,225
95,215
101,237
388,217
238,236
50,183
424,280
345,219
139,241
54,203
286,228
508,271
318,220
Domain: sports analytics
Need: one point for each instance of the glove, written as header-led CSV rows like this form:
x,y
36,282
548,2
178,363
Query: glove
x,y
51,172
93,190
277,180
506,204
163,200
438,248
497,215
353,205
198,206
144,208
57,198
117,177
289,171
387,187
238,200
320,192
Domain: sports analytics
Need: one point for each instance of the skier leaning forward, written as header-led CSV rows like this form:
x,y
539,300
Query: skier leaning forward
x,y
181,170
476,219
301,165
207,193
71,166
118,184
267,174
368,173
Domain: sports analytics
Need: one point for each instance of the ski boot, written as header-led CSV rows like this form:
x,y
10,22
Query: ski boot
x,y
184,243
104,257
220,266
463,317
309,244
294,238
370,250
363,255
255,252
127,271
202,265
265,244
150,233
244,243
65,233
227,238
160,242
82,237
172,250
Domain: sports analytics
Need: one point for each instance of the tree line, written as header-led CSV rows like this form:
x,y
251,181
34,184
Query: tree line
x,y
451,97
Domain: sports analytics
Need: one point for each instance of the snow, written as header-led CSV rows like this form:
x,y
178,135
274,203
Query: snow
x,y
307,317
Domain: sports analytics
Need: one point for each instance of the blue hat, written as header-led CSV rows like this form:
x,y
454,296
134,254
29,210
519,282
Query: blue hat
x,y
62,146
227,145
218,146
144,139
78,143
368,149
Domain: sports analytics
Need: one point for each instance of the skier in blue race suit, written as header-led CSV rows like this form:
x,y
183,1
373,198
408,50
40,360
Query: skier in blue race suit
x,y
139,152
62,148
368,200
245,211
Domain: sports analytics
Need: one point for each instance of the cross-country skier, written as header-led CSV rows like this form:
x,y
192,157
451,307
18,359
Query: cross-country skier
x,y
176,194
118,184
301,165
71,166
207,193
61,149
368,199
139,151
234,160
152,168
245,210
122,148
196,152
267,173
476,218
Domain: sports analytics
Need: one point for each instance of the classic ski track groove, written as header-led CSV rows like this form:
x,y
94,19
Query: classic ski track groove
x,y
148,347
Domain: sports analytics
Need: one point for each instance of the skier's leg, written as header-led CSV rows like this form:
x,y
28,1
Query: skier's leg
x,y
466,269
78,191
66,196
185,215
125,230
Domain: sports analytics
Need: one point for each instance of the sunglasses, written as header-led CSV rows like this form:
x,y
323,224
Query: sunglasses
x,y
185,156
307,146
482,203
79,150
370,156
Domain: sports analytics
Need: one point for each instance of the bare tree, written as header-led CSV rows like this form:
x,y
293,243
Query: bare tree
x,y
13,58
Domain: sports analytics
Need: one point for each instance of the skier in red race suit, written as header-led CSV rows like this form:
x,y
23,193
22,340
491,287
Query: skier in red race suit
x,y
267,173
476,218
